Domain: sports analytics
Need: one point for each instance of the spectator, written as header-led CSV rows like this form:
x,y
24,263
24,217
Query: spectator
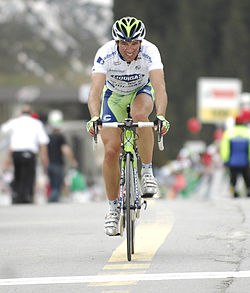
x,y
27,138
235,153
57,150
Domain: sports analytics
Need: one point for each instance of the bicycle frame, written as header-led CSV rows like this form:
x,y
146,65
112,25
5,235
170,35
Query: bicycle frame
x,y
129,146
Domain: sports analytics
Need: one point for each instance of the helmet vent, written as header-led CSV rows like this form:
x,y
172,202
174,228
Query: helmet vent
x,y
124,31
132,31
132,21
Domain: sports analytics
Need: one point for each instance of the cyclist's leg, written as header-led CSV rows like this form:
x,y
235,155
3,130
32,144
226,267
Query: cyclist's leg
x,y
113,109
111,175
141,108
110,167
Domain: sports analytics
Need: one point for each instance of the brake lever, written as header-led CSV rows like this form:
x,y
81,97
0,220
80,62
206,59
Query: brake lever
x,y
96,123
95,131
160,137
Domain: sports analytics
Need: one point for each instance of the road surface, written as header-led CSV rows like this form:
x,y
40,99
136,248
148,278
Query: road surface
x,y
182,245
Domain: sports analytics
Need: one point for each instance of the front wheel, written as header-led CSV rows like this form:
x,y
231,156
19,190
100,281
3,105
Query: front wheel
x,y
129,207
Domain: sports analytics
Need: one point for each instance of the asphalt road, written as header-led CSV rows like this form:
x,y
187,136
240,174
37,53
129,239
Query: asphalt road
x,y
192,245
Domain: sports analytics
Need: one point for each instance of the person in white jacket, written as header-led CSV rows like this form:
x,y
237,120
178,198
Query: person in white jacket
x,y
28,138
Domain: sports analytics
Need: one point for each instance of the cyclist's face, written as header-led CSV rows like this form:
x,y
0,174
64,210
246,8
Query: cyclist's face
x,y
129,50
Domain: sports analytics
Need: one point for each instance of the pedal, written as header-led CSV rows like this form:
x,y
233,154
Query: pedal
x,y
118,234
145,204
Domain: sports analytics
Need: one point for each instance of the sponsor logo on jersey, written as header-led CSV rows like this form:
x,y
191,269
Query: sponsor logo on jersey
x,y
106,117
146,91
100,60
108,56
146,56
116,70
128,78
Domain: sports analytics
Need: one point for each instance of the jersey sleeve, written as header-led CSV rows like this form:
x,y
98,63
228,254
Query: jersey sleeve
x,y
99,63
156,62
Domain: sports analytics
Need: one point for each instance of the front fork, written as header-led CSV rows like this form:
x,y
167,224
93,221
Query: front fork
x,y
137,202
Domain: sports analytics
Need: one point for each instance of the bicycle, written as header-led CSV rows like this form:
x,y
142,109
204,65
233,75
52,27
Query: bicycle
x,y
130,198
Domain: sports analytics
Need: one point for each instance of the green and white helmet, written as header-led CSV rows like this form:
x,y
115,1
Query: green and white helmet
x,y
128,29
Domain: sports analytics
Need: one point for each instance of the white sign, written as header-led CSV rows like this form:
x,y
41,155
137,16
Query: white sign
x,y
245,101
218,98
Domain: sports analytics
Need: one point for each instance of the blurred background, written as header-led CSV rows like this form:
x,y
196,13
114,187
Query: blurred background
x,y
47,49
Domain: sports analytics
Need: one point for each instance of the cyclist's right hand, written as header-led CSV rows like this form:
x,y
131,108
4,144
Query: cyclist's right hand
x,y
90,124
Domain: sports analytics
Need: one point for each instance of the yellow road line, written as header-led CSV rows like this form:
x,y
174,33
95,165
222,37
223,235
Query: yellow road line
x,y
148,239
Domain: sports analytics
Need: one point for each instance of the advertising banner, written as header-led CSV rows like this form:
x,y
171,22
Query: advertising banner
x,y
218,99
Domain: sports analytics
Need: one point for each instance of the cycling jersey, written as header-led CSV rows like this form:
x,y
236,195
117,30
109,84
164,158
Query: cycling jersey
x,y
122,77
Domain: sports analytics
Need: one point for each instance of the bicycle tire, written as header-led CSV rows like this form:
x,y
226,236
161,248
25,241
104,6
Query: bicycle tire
x,y
129,207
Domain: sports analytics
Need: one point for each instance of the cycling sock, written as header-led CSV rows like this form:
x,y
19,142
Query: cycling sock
x,y
146,168
113,205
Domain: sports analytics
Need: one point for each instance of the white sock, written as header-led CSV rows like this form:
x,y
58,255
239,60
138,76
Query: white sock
x,y
113,205
146,168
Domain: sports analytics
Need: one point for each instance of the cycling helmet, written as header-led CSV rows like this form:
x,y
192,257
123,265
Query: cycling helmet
x,y
128,29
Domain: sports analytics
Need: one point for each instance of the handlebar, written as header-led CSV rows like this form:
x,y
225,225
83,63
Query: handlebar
x,y
123,124
130,123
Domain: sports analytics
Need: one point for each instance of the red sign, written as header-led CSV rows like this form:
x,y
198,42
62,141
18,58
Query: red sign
x,y
224,93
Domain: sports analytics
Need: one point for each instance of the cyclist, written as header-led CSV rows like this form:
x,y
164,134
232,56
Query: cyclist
x,y
127,70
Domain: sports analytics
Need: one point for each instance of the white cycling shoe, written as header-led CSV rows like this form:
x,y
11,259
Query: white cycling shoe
x,y
149,185
111,226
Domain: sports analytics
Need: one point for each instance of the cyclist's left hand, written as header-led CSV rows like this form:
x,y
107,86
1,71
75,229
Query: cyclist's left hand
x,y
165,124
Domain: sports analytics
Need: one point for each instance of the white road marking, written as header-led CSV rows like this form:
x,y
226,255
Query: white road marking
x,y
124,278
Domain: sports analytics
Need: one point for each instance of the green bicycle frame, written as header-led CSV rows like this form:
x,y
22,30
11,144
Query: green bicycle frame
x,y
128,146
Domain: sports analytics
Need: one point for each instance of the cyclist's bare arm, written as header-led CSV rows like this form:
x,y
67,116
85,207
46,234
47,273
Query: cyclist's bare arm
x,y
94,102
161,98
